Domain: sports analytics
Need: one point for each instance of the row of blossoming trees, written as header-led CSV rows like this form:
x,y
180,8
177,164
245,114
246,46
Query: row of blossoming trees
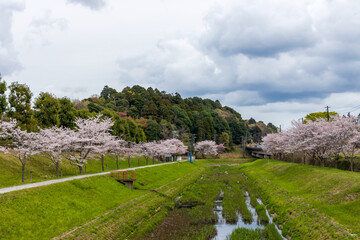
x,y
319,140
91,140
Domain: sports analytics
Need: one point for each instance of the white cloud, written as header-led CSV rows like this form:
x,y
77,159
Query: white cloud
x,y
92,4
270,59
173,65
8,55
259,28
237,98
39,28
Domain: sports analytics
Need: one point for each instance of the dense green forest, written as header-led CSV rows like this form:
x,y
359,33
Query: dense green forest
x,y
139,114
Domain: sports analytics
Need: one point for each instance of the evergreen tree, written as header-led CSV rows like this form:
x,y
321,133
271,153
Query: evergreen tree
x,y
252,121
67,113
153,131
107,92
47,109
20,106
3,103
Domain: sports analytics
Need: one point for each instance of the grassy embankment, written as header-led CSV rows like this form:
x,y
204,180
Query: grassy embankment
x,y
308,202
96,207
43,169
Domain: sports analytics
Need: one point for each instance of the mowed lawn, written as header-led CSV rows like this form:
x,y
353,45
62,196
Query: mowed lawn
x,y
308,202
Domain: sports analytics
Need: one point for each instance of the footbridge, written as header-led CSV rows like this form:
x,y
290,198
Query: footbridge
x,y
257,152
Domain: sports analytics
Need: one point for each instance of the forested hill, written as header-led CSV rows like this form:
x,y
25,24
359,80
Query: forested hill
x,y
139,114
164,115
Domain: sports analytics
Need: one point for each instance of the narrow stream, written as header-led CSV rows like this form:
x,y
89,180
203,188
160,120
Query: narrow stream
x,y
225,229
270,218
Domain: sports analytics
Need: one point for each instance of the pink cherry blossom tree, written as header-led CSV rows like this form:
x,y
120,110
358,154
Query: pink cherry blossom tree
x,y
23,143
129,152
206,148
221,148
87,139
118,149
174,147
49,143
149,150
320,139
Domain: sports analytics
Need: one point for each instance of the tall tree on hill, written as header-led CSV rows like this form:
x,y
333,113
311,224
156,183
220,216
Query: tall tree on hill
x,y
318,115
224,138
67,113
107,92
20,106
47,109
181,118
153,131
252,121
237,129
3,103
220,124
272,127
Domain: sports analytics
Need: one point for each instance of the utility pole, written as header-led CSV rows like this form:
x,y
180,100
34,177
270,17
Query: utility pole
x,y
328,116
214,137
243,146
280,128
192,141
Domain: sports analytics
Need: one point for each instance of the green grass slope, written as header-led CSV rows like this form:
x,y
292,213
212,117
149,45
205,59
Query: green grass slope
x,y
46,212
43,169
308,202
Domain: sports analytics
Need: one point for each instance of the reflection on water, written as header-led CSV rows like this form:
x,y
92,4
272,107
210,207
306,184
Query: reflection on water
x,y
225,229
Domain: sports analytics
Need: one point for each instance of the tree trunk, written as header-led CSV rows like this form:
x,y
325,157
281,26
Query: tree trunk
x,y
304,159
147,160
80,169
336,161
57,169
102,162
117,162
313,158
352,160
129,161
322,162
23,172
153,161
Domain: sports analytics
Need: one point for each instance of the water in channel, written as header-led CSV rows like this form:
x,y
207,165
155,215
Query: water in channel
x,y
225,229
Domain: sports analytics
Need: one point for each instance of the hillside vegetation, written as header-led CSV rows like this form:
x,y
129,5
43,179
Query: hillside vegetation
x,y
308,202
139,114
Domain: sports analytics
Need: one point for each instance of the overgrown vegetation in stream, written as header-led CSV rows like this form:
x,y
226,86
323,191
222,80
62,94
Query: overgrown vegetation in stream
x,y
194,210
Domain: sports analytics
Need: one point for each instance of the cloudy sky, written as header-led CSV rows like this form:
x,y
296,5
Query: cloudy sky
x,y
274,60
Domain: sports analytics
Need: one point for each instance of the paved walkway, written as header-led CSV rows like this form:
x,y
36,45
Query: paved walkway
x,y
44,183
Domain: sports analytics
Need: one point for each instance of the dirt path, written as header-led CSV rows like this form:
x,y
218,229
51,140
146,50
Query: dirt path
x,y
45,183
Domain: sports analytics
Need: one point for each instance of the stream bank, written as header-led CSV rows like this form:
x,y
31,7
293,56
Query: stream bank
x,y
215,207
